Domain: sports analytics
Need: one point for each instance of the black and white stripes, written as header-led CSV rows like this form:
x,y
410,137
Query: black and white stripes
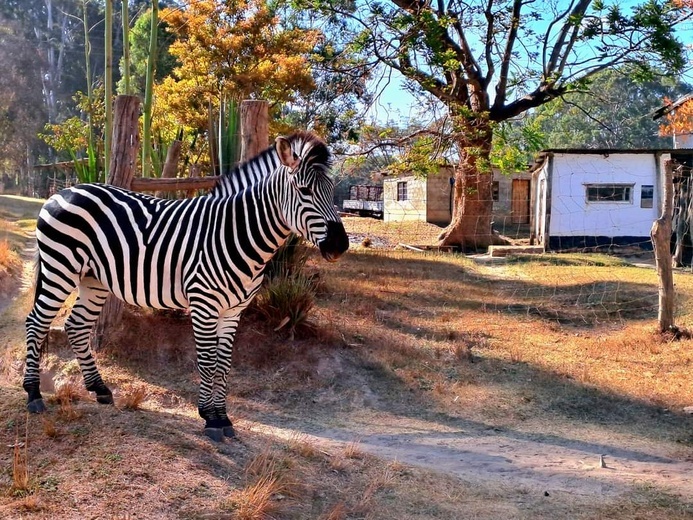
x,y
206,254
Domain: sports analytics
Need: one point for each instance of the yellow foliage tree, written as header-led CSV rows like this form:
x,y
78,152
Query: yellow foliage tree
x,y
231,49
679,120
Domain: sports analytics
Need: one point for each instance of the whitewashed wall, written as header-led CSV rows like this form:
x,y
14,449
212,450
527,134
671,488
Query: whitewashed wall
x,y
572,215
540,189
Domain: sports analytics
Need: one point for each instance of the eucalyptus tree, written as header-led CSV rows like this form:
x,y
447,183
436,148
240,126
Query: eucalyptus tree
x,y
488,61
21,114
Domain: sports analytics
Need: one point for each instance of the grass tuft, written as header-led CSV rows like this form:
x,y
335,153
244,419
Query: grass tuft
x,y
338,512
257,501
20,469
299,444
49,427
134,396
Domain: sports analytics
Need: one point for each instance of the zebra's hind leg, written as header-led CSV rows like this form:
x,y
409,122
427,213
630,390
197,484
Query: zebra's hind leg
x,y
85,312
52,289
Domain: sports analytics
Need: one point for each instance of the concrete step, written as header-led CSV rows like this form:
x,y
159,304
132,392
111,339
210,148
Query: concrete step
x,y
501,251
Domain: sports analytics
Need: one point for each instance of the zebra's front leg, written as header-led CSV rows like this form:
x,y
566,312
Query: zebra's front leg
x,y
228,324
205,323
85,312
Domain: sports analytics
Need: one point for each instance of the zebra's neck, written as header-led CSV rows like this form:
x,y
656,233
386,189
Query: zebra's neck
x,y
246,174
253,225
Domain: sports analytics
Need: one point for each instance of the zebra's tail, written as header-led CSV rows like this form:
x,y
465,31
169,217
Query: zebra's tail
x,y
37,274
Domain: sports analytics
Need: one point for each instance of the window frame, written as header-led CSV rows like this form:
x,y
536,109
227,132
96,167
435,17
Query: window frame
x,y
649,199
628,188
402,191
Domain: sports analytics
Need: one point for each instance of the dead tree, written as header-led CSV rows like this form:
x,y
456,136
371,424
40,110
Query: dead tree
x,y
661,242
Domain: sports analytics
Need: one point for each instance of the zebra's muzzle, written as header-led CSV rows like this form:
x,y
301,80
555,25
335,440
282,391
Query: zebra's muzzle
x,y
335,243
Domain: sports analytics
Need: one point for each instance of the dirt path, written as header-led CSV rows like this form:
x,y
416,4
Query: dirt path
x,y
589,462
26,281
535,463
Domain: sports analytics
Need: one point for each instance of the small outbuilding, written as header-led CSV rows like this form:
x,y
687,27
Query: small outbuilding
x,y
427,199
430,199
590,198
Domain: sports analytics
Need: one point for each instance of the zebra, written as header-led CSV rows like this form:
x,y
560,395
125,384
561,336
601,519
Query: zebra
x,y
205,254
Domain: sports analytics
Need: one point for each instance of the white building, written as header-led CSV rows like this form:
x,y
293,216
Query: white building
x,y
588,198
407,197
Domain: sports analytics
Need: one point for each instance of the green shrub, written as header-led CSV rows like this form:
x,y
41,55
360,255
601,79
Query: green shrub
x,y
288,293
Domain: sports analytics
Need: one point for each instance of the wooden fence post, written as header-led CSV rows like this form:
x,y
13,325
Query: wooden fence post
x,y
171,164
254,128
661,243
126,142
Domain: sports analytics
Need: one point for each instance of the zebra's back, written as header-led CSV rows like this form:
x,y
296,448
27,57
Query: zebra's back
x,y
141,248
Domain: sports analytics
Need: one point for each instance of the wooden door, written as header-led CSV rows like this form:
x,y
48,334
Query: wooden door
x,y
520,201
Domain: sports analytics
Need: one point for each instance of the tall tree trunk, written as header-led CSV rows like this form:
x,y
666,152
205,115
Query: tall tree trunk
x,y
254,128
470,226
108,85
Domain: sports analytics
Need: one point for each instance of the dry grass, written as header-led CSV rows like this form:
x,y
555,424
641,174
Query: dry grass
x,y
20,468
338,512
269,490
49,427
133,396
373,233
562,350
353,450
301,445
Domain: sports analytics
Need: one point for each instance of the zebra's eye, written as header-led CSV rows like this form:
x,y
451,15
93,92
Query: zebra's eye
x,y
305,190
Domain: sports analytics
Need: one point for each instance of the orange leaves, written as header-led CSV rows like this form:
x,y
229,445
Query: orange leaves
x,y
679,120
236,49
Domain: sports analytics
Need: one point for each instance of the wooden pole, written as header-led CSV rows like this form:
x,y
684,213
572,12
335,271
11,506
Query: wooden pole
x,y
148,92
661,243
194,183
254,128
126,142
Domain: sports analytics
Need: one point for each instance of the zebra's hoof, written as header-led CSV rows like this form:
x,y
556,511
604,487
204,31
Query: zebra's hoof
x,y
216,434
104,399
229,432
36,406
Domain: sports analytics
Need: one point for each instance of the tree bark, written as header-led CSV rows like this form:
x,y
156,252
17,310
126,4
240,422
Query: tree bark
x,y
171,165
661,242
254,128
124,151
195,176
470,227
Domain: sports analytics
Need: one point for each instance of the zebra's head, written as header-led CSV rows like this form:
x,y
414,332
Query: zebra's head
x,y
308,206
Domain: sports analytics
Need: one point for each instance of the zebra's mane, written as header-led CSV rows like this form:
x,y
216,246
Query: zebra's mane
x,y
304,144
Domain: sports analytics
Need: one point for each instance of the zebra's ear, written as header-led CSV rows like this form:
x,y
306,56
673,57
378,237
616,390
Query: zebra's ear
x,y
286,155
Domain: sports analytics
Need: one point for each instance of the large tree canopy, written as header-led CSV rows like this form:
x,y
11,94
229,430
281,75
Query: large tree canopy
x,y
235,49
488,61
615,112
